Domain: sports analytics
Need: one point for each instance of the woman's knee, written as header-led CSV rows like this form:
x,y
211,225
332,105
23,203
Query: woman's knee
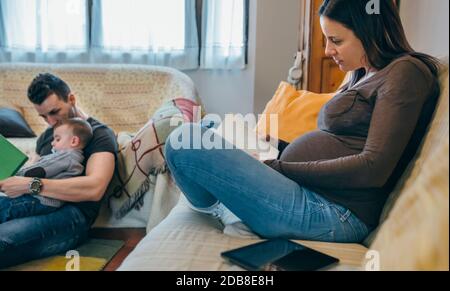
x,y
173,139
182,138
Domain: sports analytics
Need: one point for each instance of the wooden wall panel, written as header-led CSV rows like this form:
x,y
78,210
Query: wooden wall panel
x,y
324,75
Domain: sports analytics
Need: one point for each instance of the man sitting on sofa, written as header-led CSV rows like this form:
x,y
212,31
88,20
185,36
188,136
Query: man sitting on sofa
x,y
35,237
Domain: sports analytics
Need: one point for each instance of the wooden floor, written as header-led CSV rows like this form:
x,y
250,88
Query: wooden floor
x,y
131,237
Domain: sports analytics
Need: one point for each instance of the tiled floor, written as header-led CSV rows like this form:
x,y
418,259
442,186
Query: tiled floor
x,y
131,236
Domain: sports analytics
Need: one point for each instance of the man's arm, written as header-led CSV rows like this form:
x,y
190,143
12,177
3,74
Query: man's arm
x,y
99,171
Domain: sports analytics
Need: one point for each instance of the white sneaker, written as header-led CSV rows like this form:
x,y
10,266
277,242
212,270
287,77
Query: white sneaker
x,y
240,230
220,212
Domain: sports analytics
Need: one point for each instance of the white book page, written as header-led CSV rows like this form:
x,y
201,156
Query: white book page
x,y
243,135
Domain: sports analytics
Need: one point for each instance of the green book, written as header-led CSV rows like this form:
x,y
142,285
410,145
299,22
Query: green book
x,y
11,159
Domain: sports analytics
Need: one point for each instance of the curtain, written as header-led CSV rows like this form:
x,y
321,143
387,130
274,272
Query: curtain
x,y
223,34
154,32
43,30
2,32
145,32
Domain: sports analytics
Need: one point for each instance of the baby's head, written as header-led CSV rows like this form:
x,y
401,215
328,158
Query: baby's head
x,y
71,134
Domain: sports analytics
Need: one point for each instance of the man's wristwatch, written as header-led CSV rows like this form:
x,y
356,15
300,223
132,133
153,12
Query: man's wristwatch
x,y
35,186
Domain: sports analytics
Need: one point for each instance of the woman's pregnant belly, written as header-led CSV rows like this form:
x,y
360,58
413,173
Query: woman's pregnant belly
x,y
321,145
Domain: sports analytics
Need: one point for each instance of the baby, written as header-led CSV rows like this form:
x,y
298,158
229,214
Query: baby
x,y
70,137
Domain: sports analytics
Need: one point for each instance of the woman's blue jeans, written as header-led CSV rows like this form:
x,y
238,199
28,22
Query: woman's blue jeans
x,y
270,204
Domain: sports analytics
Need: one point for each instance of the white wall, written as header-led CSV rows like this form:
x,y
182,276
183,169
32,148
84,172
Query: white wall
x,y
276,44
272,44
273,41
426,24
224,91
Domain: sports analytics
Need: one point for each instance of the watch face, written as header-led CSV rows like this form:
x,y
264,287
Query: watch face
x,y
35,186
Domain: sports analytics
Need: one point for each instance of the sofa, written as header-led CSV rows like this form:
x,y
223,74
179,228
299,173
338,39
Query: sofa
x,y
122,96
413,231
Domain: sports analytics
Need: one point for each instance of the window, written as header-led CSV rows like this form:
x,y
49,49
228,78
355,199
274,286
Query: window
x,y
44,24
224,44
139,26
157,32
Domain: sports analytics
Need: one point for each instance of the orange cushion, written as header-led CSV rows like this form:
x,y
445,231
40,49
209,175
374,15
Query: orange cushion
x,y
297,112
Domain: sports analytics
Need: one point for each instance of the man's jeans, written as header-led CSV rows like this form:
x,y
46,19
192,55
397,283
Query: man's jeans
x,y
35,237
21,207
270,204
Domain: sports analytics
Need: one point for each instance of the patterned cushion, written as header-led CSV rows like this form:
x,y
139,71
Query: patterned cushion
x,y
141,157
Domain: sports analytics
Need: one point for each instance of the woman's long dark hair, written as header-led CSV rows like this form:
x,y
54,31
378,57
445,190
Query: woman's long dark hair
x,y
382,35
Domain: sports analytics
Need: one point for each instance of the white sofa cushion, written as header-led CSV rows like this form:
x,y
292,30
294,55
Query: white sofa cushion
x,y
26,145
189,241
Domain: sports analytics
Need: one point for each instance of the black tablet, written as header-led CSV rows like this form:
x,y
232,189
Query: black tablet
x,y
279,255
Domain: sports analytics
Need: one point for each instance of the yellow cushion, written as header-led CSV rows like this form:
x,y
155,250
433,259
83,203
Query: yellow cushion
x,y
297,112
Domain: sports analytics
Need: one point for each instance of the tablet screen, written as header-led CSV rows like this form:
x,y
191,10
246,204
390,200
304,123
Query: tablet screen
x,y
278,254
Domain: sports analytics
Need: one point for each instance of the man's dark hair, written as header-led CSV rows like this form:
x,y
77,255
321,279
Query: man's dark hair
x,y
80,128
45,85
